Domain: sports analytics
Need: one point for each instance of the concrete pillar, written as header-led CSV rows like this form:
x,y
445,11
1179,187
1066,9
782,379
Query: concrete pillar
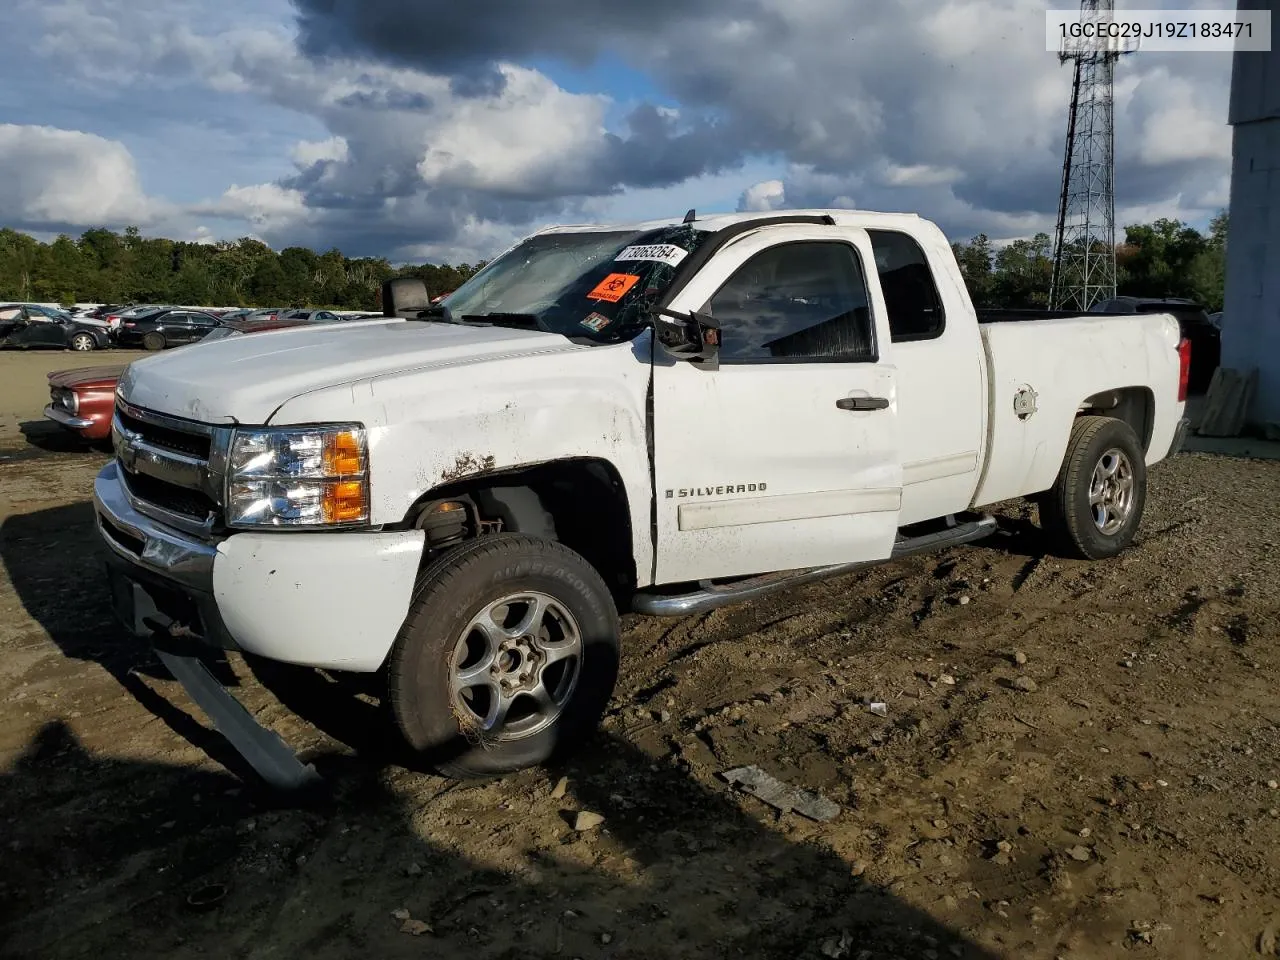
x,y
1251,314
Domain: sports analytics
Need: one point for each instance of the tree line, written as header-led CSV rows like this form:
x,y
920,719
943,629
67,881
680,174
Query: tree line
x,y
1166,258
107,267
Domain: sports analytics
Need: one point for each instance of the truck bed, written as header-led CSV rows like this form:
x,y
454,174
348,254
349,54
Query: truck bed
x,y
1060,362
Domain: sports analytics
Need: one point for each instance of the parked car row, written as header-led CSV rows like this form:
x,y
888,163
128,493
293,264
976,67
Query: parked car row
x,y
149,326
82,400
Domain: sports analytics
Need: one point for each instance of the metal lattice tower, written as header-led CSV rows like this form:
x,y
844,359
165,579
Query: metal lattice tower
x,y
1084,262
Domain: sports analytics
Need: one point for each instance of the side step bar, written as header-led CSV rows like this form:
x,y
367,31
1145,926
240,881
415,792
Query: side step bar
x,y
711,596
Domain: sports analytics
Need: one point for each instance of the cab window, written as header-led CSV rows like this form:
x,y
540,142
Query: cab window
x,y
796,302
910,294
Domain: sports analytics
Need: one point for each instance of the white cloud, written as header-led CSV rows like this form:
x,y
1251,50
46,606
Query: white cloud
x,y
920,175
532,134
953,110
51,177
262,205
762,196
310,152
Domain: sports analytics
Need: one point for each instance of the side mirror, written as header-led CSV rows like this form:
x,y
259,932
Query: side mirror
x,y
689,336
404,297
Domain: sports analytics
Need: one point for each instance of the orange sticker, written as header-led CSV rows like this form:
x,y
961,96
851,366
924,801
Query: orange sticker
x,y
613,287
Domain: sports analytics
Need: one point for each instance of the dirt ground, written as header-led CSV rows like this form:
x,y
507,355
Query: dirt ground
x,y
1124,801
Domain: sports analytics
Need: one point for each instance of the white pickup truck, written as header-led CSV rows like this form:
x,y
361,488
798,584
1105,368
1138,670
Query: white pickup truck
x,y
664,417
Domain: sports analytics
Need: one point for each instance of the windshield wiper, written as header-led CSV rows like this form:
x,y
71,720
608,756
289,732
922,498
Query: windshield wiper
x,y
438,312
519,321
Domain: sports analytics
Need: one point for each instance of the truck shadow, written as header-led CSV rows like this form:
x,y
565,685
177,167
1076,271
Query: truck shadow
x,y
54,560
130,858
103,852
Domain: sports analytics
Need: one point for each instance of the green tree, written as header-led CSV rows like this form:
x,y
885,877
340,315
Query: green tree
x,y
1023,272
975,263
268,283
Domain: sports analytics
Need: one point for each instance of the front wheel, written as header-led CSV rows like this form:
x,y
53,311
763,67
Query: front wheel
x,y
82,342
507,659
153,341
1094,508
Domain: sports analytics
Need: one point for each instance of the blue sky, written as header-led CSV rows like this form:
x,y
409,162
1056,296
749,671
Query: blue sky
x,y
414,130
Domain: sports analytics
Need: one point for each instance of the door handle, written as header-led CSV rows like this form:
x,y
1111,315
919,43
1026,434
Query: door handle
x,y
863,403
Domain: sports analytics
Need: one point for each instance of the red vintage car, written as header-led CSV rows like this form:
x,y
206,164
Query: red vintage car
x,y
82,400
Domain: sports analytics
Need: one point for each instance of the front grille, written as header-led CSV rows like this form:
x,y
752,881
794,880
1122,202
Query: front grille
x,y
169,496
189,444
165,464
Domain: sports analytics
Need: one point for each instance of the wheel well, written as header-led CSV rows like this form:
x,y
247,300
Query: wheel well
x,y
1134,405
582,503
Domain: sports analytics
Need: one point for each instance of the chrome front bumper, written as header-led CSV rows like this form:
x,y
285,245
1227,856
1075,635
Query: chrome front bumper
x,y
59,415
160,578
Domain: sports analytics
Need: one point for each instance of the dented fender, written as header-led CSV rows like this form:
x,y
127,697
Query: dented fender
x,y
454,422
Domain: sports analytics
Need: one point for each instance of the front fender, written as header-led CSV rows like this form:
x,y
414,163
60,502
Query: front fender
x,y
439,426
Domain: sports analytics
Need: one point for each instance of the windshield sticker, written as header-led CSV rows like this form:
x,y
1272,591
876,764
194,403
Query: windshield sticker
x,y
661,252
595,322
613,287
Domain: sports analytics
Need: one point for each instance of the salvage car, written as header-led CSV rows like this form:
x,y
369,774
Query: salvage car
x,y
26,327
666,417
82,400
168,327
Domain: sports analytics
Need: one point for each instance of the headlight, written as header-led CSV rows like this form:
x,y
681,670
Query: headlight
x,y
315,476
68,400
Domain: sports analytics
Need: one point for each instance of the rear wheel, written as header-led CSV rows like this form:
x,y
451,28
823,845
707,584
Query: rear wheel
x,y
1096,504
153,341
507,659
83,342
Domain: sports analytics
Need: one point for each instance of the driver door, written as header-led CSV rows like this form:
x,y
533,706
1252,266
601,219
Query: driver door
x,y
42,331
786,456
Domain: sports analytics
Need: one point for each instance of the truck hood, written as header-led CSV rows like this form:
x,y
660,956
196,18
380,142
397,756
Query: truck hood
x,y
246,379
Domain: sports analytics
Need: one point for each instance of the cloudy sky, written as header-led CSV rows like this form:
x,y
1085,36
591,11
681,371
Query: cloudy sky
x,y
431,129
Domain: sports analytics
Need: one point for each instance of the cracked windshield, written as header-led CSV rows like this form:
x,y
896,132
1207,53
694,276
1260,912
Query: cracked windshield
x,y
577,283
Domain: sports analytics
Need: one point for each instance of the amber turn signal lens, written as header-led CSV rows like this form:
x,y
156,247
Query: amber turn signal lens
x,y
343,456
345,502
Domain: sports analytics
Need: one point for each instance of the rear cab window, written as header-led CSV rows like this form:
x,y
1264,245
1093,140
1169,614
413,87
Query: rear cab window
x,y
910,292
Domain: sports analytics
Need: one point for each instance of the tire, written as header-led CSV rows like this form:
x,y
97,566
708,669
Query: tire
x,y
153,341
1103,458
443,718
83,343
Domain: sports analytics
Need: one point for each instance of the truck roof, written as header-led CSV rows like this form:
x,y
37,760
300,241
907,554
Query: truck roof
x,y
718,221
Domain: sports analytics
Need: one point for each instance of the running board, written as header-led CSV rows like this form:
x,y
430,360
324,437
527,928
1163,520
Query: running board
x,y
711,595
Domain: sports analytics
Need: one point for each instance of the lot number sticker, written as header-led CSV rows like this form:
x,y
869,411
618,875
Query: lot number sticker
x,y
661,252
613,287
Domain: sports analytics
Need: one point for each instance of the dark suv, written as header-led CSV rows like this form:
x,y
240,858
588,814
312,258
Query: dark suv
x,y
1193,320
